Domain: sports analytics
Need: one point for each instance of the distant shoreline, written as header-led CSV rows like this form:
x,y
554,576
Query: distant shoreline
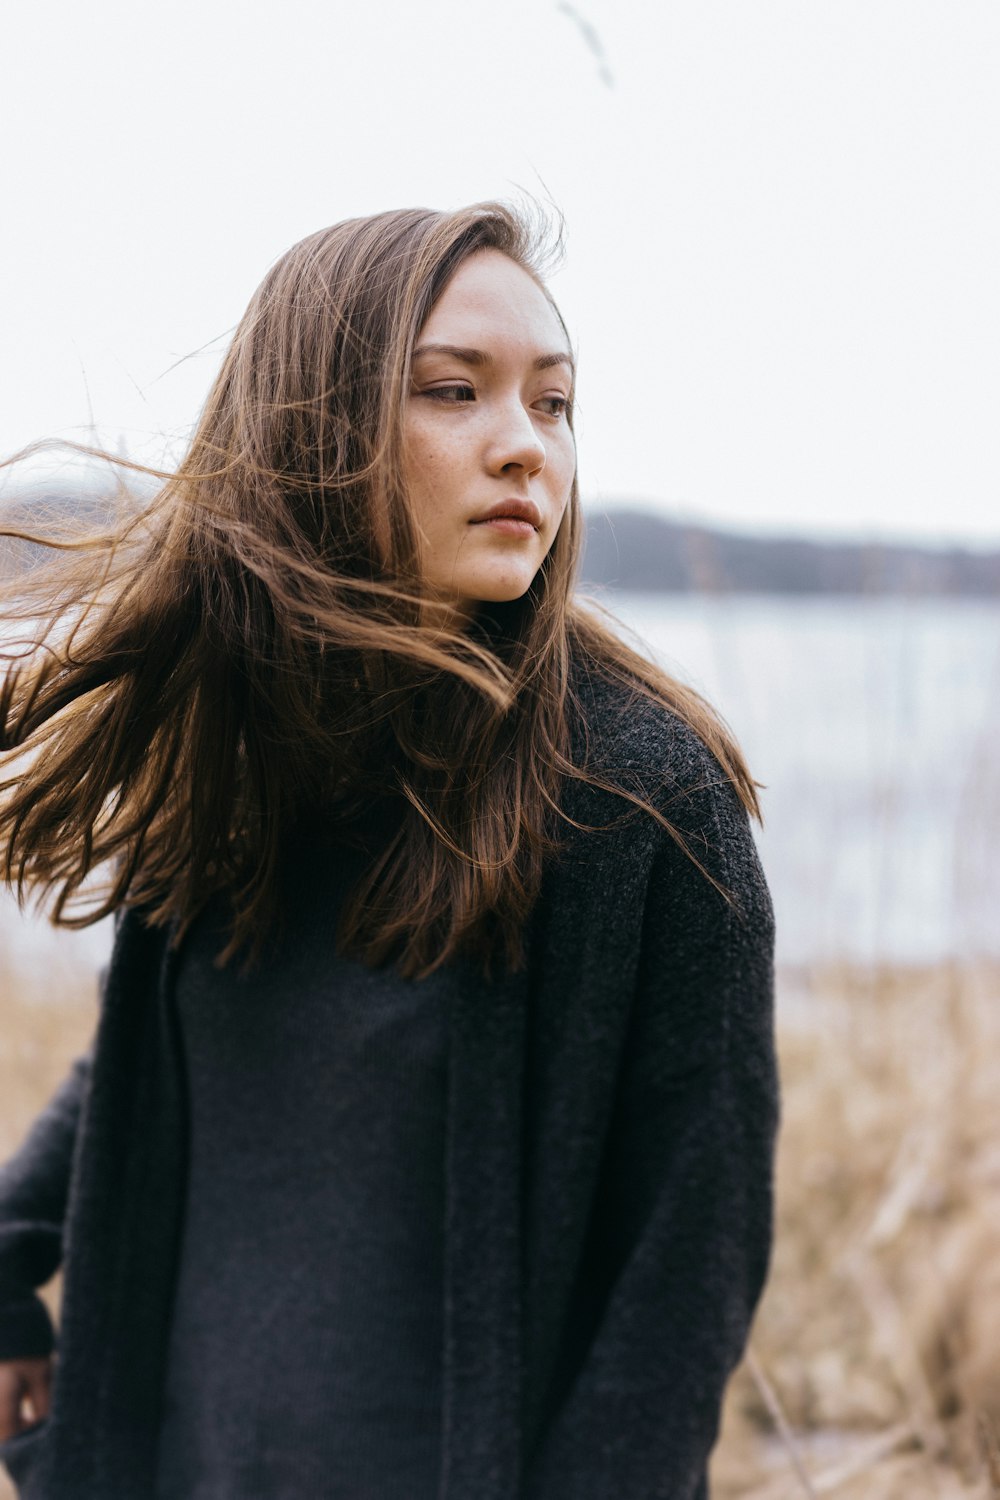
x,y
639,550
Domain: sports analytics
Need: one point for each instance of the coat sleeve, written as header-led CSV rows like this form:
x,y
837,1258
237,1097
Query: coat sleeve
x,y
34,1187
680,1241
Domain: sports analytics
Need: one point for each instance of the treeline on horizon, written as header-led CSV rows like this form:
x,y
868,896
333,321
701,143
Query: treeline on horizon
x,y
635,549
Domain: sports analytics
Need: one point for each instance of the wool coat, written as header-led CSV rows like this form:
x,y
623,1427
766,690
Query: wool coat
x,y
611,1116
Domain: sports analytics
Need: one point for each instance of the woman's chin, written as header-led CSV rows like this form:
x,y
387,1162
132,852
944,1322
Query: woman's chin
x,y
461,602
501,587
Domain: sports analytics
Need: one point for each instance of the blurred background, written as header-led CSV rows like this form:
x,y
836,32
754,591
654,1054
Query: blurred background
x,y
782,232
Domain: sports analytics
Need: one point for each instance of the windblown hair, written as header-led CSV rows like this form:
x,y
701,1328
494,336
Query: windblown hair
x,y
250,649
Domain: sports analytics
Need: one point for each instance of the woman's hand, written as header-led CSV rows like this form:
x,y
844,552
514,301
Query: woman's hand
x,y
23,1381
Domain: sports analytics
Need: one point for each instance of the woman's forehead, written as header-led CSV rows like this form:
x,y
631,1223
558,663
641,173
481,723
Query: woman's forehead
x,y
490,295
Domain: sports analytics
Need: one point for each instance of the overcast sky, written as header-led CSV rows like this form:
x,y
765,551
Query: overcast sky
x,y
783,222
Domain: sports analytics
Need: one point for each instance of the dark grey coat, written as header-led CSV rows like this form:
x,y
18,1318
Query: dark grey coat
x,y
611,1120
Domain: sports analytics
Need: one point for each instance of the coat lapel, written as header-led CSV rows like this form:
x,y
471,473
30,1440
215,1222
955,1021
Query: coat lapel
x,y
482,1363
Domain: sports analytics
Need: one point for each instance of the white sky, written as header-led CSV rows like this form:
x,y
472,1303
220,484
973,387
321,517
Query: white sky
x,y
783,222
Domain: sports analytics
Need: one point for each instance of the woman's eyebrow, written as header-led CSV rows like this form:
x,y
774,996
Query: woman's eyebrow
x,y
481,357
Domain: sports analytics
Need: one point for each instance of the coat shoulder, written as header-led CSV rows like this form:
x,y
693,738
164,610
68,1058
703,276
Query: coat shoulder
x,y
623,734
645,755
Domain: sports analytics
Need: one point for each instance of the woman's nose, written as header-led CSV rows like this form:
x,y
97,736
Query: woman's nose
x,y
515,441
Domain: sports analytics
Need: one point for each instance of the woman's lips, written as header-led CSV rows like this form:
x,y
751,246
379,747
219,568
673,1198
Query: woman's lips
x,y
512,517
510,525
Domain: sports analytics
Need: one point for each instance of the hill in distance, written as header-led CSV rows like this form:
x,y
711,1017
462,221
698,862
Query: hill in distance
x,y
636,549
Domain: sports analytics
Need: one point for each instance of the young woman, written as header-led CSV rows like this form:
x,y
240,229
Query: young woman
x,y
424,1148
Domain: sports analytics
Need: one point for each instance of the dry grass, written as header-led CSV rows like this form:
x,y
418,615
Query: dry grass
x,y
875,1362
47,1016
875,1367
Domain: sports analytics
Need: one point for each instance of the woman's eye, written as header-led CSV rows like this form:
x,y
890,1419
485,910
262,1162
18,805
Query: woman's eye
x,y
451,393
556,406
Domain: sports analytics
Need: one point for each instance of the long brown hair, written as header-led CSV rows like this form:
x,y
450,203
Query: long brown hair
x,y
248,649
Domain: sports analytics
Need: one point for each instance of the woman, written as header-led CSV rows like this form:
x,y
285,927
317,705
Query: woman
x,y
425,1144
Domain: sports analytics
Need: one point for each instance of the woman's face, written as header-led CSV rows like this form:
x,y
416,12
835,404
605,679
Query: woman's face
x,y
489,456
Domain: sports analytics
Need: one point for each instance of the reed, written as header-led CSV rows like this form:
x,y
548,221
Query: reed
x,y
874,1368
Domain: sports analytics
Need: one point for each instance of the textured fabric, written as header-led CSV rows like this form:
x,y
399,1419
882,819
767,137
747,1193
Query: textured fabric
x,y
610,1126
307,1330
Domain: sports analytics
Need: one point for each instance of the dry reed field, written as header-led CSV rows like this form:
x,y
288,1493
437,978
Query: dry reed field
x,y
874,1371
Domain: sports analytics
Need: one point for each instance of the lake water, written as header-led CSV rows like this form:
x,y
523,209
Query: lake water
x,y
875,725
